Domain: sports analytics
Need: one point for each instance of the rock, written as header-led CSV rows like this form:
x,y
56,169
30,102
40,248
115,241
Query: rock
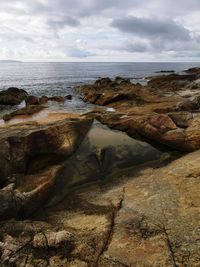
x,y
27,111
57,261
105,92
68,97
12,96
60,99
181,119
148,219
24,146
143,112
159,130
103,82
173,82
51,239
32,161
11,246
29,193
165,71
34,100
121,80
195,70
188,105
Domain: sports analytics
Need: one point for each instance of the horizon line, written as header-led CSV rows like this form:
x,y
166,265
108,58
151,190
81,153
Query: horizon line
x,y
19,61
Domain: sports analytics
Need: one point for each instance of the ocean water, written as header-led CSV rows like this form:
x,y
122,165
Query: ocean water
x,y
60,78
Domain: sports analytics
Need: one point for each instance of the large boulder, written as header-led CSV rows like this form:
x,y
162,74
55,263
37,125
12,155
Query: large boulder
x,y
12,96
31,146
32,161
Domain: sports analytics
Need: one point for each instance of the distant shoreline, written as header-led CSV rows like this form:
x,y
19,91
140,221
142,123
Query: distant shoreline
x,y
10,61
101,62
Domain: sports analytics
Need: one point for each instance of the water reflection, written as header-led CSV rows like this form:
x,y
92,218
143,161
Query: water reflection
x,y
103,155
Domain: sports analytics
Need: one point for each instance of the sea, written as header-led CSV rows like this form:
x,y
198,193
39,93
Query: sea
x,y
61,78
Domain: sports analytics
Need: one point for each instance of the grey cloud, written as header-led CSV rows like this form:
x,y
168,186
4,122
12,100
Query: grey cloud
x,y
152,28
135,46
62,22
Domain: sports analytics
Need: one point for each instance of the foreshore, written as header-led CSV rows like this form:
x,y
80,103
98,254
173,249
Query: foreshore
x,y
122,194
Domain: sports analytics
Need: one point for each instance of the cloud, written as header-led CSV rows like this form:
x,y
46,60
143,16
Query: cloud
x,y
59,23
154,35
152,28
47,30
79,53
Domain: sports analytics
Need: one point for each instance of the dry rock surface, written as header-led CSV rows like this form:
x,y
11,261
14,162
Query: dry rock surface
x,y
150,219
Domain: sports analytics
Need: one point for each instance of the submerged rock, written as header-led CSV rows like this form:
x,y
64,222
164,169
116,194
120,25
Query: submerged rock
x,y
104,155
12,96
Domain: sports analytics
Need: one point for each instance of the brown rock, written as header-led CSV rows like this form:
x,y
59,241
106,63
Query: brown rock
x,y
103,82
12,96
27,111
159,130
23,145
52,239
149,219
172,82
60,99
34,100
181,119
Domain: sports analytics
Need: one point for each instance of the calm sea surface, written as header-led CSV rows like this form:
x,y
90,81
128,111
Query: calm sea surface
x,y
60,78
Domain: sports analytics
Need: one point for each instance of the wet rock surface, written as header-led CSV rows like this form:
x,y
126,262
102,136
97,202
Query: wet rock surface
x,y
26,111
12,96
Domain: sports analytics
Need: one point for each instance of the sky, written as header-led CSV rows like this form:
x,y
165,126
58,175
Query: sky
x,y
100,30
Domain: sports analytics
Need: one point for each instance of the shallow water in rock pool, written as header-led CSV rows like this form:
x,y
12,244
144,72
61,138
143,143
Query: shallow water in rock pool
x,y
104,155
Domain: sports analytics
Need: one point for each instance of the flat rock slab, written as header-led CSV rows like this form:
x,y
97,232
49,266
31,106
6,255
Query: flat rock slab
x,y
150,219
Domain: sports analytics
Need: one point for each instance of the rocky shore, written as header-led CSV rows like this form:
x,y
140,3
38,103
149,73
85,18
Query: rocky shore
x,y
123,194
